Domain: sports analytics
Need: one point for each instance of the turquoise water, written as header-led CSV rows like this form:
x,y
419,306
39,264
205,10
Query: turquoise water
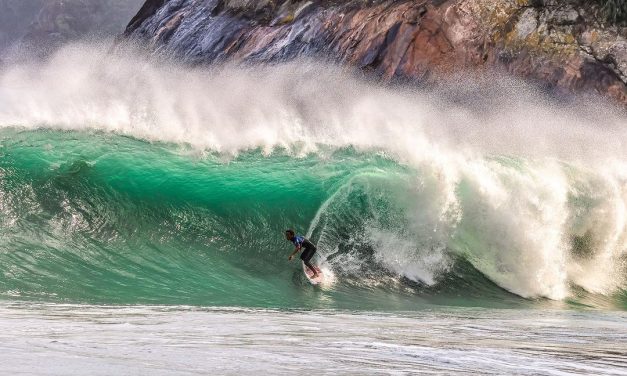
x,y
125,180
92,217
473,229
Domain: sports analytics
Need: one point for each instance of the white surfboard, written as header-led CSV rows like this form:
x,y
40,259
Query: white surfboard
x,y
309,274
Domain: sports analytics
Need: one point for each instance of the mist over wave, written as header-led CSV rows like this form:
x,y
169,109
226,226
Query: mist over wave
x,y
529,191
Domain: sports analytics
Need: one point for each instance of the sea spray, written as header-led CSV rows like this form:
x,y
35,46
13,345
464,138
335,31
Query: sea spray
x,y
397,185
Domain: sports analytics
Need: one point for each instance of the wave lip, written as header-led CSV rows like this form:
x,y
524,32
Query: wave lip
x,y
398,184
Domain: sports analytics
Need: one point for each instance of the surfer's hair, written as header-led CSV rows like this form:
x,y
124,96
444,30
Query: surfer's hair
x,y
289,231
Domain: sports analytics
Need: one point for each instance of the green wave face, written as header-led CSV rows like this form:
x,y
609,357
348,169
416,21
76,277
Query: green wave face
x,y
101,218
112,219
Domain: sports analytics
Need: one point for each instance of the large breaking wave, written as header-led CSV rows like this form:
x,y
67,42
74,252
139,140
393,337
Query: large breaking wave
x,y
471,185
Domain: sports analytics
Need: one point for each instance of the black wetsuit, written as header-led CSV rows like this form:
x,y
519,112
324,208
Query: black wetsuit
x,y
308,250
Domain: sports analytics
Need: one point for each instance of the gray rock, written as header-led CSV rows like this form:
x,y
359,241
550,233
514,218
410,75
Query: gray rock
x,y
398,39
527,24
567,16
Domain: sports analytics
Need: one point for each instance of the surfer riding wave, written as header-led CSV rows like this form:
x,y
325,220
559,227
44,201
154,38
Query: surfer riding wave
x,y
309,249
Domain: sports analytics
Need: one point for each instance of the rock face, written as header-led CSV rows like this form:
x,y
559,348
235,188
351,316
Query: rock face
x,y
15,18
559,44
43,25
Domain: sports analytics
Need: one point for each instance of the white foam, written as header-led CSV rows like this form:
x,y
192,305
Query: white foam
x,y
515,220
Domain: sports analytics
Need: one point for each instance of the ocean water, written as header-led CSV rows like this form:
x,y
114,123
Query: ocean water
x,y
477,227
47,339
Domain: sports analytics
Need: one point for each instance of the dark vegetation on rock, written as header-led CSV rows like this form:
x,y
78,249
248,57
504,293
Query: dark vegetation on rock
x,y
614,11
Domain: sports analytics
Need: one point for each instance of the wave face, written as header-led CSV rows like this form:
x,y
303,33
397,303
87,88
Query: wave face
x,y
124,180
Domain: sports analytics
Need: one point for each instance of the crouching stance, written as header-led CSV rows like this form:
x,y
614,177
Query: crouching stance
x,y
308,248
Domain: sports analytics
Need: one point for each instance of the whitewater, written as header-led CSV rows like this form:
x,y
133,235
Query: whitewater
x,y
135,190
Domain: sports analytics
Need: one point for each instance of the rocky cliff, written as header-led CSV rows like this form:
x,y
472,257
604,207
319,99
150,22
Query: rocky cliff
x,y
15,18
561,44
41,26
60,21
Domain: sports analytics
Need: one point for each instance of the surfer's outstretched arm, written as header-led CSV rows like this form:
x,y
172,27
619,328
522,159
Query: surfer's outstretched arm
x,y
294,253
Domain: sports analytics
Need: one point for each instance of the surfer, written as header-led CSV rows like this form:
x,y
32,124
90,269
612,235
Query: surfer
x,y
300,242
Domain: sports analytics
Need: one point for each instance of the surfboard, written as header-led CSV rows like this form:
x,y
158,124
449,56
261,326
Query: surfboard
x,y
309,274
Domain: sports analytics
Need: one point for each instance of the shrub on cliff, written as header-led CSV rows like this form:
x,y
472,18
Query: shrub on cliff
x,y
614,11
